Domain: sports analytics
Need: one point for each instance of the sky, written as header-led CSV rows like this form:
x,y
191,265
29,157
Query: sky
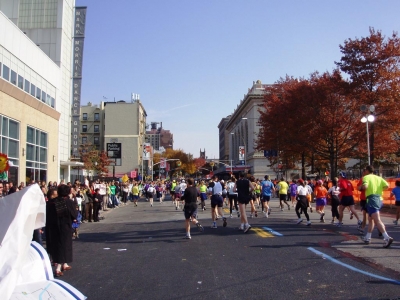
x,y
192,61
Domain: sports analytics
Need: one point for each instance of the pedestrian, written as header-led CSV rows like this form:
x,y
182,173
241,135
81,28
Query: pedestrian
x,y
190,207
346,199
267,188
302,202
97,201
233,197
396,193
216,202
244,188
283,190
333,194
320,199
60,213
374,186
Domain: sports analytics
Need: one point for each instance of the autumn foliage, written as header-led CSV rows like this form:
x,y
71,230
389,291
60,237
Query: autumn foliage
x,y
316,120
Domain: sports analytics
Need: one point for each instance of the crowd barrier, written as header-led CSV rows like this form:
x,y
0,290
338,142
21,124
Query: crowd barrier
x,y
387,200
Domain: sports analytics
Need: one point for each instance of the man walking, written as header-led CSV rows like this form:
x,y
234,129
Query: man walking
x,y
374,186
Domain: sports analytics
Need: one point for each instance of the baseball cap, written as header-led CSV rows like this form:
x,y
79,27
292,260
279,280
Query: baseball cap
x,y
301,181
342,174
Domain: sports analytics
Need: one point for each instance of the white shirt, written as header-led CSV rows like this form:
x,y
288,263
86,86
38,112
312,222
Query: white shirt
x,y
183,186
302,190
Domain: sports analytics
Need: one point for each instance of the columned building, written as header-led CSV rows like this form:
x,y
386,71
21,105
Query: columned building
x,y
224,137
242,130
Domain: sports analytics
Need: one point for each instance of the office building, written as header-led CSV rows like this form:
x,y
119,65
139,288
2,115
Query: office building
x,y
159,138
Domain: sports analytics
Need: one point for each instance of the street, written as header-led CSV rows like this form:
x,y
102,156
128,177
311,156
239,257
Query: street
x,y
140,253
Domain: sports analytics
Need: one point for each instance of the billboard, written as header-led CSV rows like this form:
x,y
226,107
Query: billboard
x,y
241,153
114,150
147,151
163,163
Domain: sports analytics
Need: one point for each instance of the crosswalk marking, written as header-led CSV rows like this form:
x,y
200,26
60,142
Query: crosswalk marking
x,y
276,233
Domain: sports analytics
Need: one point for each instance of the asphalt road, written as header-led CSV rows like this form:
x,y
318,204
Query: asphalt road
x,y
140,253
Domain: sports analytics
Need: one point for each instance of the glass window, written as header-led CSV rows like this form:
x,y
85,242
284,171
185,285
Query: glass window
x,y
4,145
53,102
48,100
44,97
30,138
84,116
6,72
97,117
12,148
96,128
37,137
13,130
13,77
84,128
43,155
84,140
43,139
27,87
38,93
96,140
20,82
30,152
4,130
33,90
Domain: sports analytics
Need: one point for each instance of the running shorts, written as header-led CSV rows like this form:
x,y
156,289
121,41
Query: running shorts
x,y
216,201
265,198
347,201
363,204
320,201
190,212
282,197
203,196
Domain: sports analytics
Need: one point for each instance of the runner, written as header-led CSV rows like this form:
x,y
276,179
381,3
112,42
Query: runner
x,y
150,193
190,208
346,199
363,201
302,202
396,193
283,188
320,202
257,192
244,188
216,201
253,198
293,192
233,197
203,194
267,188
224,192
135,193
374,186
177,196
333,193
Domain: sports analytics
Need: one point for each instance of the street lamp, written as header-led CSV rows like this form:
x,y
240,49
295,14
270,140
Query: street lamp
x,y
366,120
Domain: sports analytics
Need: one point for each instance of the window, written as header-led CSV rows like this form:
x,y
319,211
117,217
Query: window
x,y
27,87
84,128
13,77
6,72
53,102
9,140
84,117
97,117
96,128
84,140
20,82
36,154
44,97
96,140
33,90
38,93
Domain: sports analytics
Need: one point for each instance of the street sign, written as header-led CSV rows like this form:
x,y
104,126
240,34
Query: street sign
x,y
114,150
163,163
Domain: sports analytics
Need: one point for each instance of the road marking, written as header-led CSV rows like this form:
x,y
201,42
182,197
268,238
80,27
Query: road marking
x,y
261,232
351,267
226,210
272,231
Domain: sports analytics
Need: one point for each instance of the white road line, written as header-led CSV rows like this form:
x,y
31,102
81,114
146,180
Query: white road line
x,y
351,267
272,231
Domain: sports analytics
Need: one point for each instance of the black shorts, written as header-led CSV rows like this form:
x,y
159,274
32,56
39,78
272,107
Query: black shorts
x,y
265,198
347,201
190,212
172,192
282,197
149,195
216,200
244,200
363,204
397,203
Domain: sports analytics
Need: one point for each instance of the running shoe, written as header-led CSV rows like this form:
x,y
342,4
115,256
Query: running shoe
x,y
214,225
323,218
395,222
199,227
269,211
281,209
238,215
308,223
360,230
188,237
225,223
299,221
351,216
255,214
338,224
151,205
241,227
176,207
311,209
246,228
266,215
365,240
230,216
387,242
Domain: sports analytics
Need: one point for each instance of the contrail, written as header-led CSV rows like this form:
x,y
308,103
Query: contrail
x,y
178,107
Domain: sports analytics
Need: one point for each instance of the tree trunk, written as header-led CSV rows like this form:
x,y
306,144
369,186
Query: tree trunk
x,y
303,165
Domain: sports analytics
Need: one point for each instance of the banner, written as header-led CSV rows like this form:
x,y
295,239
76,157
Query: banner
x,y
133,174
147,151
241,153
163,163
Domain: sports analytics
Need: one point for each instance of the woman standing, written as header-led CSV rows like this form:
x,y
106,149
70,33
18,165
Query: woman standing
x,y
60,213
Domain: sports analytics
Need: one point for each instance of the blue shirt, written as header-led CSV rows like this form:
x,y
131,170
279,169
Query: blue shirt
x,y
266,187
396,193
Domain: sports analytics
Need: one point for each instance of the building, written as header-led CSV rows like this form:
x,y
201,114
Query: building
x,y
125,123
224,137
242,129
35,92
159,138
92,125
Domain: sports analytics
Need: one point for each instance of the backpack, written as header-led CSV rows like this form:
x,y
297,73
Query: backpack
x,y
150,189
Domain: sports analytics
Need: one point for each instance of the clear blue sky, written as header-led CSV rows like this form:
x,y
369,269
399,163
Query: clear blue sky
x,y
192,61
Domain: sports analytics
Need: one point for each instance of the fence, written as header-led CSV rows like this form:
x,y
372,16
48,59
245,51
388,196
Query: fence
x,y
387,200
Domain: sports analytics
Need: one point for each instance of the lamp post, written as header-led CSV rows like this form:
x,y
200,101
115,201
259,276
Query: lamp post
x,y
368,119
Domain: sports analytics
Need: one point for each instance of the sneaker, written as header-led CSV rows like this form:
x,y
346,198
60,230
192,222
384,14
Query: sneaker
x,y
308,223
299,221
323,218
311,209
360,230
246,228
365,240
188,237
225,223
238,215
230,216
241,227
151,205
199,227
266,215
269,211
176,207
255,214
351,216
395,222
359,223
281,209
387,242
214,226
338,224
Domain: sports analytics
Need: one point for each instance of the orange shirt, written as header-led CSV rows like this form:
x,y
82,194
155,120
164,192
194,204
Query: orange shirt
x,y
320,192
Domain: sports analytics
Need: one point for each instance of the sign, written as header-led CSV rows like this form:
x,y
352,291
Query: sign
x,y
133,174
163,163
241,152
147,151
114,150
102,188
79,35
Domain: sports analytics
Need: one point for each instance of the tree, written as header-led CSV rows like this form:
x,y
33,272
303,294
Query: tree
x,y
94,160
373,65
